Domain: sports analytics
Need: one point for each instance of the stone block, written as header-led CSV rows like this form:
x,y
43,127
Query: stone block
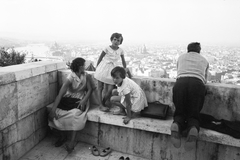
x,y
40,118
50,67
222,101
206,150
6,78
1,143
135,142
89,134
52,76
38,70
33,94
26,127
21,71
18,149
19,138
40,134
160,145
228,153
157,90
53,91
8,101
10,135
61,65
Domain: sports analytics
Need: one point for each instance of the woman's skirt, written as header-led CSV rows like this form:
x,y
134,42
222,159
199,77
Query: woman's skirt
x,y
103,72
72,120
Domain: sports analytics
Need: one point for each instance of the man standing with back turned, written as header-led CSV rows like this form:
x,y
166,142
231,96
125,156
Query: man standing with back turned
x,y
188,95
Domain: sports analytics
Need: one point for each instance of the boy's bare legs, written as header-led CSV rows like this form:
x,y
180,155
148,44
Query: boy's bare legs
x,y
130,116
100,89
115,100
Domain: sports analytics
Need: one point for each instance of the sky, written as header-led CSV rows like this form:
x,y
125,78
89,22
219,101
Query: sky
x,y
139,21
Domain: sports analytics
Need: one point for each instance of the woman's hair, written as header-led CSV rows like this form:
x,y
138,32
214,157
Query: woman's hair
x,y
117,35
119,70
76,63
194,47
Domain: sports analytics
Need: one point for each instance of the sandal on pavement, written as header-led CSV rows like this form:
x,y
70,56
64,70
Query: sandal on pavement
x,y
127,158
121,158
105,152
95,151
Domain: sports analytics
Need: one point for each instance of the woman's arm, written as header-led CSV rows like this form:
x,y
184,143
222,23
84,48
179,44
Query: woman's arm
x,y
123,61
89,92
62,91
101,57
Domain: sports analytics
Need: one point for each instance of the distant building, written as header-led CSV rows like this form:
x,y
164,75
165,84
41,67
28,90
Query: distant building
x,y
90,67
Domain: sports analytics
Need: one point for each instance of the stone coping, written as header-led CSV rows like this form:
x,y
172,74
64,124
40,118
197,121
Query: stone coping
x,y
15,73
157,126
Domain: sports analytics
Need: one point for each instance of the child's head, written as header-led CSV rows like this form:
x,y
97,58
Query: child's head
x,y
118,74
194,47
78,64
117,36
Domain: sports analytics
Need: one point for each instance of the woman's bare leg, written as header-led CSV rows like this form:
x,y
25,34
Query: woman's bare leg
x,y
71,145
72,139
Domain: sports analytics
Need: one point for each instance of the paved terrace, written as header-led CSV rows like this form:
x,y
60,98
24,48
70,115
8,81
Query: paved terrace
x,y
27,89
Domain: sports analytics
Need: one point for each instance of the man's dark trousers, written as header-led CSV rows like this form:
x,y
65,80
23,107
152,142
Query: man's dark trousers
x,y
188,98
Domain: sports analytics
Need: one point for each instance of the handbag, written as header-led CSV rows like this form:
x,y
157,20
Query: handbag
x,y
155,110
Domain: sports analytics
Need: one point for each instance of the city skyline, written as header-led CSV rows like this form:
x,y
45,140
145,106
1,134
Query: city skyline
x,y
140,21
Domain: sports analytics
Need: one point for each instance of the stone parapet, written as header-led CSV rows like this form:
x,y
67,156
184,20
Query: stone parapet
x,y
26,90
222,100
150,138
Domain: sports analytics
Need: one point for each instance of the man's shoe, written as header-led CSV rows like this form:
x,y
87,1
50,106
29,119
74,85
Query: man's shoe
x,y
191,139
175,135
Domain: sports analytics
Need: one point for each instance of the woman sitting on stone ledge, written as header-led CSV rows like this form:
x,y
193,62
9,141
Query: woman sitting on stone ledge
x,y
68,112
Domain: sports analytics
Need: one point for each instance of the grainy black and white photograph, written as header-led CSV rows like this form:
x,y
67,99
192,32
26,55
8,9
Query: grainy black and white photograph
x,y
119,79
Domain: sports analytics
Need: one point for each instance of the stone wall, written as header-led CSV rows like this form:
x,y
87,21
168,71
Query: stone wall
x,y
150,138
222,100
152,145
25,91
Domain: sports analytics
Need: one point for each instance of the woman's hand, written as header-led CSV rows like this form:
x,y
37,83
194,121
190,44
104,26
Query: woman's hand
x,y
82,105
52,115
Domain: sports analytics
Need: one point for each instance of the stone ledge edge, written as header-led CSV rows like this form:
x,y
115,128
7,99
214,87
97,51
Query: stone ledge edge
x,y
157,126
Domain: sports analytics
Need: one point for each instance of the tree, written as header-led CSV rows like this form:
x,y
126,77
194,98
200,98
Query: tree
x,y
10,57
